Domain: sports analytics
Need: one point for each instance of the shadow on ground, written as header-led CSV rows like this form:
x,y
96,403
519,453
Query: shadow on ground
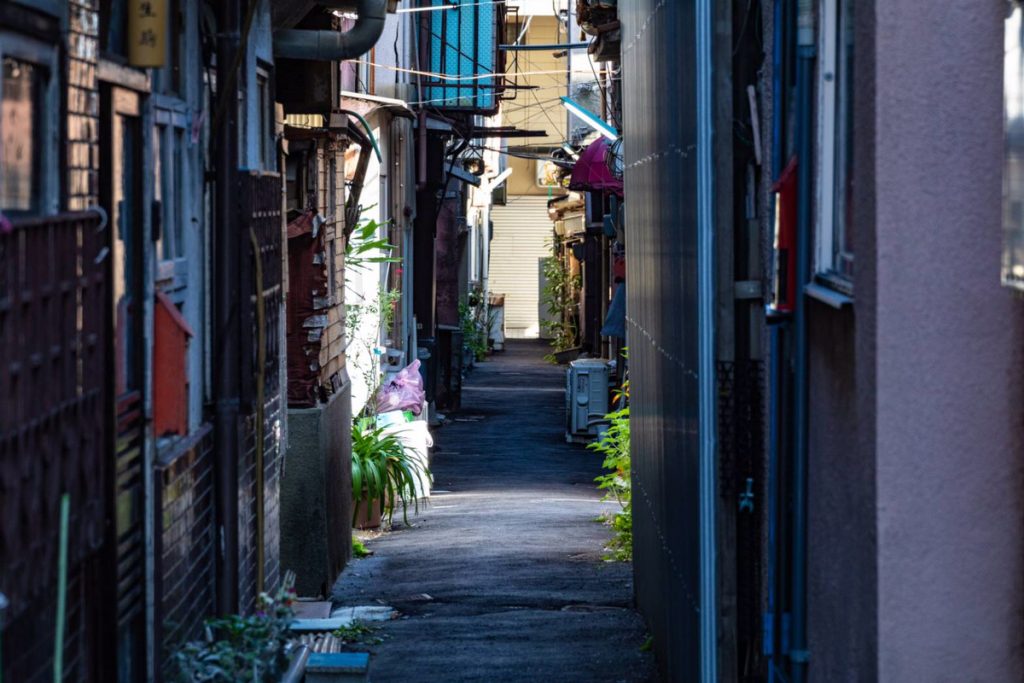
x,y
501,578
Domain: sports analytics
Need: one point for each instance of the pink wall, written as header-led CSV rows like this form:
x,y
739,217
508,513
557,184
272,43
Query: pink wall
x,y
950,353
917,428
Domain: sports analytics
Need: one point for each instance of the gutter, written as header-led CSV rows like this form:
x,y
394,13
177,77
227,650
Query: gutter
x,y
806,55
333,46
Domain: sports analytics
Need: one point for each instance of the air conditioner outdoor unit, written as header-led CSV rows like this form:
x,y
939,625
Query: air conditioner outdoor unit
x,y
586,397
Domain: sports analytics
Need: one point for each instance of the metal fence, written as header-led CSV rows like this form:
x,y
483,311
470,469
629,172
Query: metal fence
x,y
54,436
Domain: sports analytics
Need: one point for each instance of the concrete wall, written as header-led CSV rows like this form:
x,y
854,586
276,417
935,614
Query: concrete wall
x,y
316,494
916,562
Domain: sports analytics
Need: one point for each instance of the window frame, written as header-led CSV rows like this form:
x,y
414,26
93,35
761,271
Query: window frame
x,y
43,56
829,101
171,126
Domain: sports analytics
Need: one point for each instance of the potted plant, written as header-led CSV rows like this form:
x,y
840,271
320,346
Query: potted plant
x,y
383,475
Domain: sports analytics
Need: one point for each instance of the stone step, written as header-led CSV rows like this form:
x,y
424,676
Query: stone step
x,y
338,667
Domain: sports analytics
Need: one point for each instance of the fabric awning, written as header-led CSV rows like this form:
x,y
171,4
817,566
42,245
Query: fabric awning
x,y
591,172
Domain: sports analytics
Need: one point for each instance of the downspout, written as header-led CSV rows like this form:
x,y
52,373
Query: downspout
x,y
334,46
706,402
772,621
798,653
227,364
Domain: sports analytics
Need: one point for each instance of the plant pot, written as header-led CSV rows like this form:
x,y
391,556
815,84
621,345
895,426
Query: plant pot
x,y
370,514
567,356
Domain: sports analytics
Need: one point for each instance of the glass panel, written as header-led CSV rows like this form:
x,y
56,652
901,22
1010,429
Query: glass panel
x,y
19,144
177,201
1013,161
125,212
162,244
842,222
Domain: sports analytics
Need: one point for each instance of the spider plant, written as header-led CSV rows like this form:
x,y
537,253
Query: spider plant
x,y
383,471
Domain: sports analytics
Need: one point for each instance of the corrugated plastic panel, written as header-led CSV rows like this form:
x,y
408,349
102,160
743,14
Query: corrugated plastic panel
x,y
463,45
659,63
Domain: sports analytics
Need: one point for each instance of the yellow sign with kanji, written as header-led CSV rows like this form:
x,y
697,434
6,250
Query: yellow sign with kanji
x,y
147,33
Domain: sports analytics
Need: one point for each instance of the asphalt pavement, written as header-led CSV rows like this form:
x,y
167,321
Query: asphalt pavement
x,y
502,577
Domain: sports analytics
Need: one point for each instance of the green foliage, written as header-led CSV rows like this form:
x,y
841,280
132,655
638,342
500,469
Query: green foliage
x,y
559,299
363,245
359,549
614,446
383,471
357,633
472,321
237,648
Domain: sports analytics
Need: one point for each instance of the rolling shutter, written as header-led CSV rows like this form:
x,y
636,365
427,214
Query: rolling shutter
x,y
522,238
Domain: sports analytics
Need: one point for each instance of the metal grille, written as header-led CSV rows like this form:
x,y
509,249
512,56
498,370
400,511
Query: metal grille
x,y
741,473
54,316
185,543
261,386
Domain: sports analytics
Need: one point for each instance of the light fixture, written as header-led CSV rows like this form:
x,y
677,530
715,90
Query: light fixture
x,y
591,119
495,182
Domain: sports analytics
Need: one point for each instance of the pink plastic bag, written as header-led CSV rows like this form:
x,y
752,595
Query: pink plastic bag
x,y
404,392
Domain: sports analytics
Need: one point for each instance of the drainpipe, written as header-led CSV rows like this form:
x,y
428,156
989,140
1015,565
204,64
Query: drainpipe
x,y
227,368
798,653
333,46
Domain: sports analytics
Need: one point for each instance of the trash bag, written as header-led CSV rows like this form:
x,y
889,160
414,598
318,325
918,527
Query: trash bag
x,y
403,392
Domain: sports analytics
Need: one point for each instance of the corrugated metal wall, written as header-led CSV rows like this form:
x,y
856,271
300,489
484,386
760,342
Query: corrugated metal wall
x,y
522,239
660,122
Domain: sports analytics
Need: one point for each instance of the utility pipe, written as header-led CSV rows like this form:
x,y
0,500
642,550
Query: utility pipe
x,y
334,46
798,653
227,294
707,389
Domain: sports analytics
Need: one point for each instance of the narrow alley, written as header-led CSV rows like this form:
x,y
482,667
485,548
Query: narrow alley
x,y
502,577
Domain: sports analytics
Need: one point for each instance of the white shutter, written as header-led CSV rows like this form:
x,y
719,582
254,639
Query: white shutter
x,y
522,240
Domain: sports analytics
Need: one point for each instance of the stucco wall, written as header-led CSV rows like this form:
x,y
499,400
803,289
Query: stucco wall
x,y
950,430
924,411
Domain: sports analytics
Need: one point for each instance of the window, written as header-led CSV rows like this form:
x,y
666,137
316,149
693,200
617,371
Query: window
x,y
265,121
835,228
19,163
1013,158
169,190
28,127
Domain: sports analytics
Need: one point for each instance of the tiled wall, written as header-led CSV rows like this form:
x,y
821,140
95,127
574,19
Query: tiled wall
x,y
186,540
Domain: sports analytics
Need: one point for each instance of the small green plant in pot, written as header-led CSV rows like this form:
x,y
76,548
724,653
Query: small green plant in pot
x,y
383,474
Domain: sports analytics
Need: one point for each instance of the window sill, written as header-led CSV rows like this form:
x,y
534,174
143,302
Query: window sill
x,y
828,295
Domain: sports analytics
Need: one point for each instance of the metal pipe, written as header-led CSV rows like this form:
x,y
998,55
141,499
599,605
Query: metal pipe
x,y
706,344
227,364
333,46
798,653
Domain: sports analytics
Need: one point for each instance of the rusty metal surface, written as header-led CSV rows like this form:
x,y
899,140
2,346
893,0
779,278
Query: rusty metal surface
x,y
54,322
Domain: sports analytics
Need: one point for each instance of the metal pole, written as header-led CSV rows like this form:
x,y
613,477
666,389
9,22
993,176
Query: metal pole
x,y
706,344
227,297
62,590
798,653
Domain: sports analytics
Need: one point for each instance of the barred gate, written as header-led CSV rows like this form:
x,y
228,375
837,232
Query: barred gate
x,y
262,403
55,425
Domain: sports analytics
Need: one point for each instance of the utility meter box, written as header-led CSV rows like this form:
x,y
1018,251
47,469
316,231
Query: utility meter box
x,y
586,396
